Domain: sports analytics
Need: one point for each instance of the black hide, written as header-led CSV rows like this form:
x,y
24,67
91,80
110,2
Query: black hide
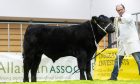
x,y
56,42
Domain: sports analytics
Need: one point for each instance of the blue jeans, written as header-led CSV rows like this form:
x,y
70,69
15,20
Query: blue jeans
x,y
114,74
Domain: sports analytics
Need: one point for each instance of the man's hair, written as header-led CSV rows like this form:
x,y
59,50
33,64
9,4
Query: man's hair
x,y
121,5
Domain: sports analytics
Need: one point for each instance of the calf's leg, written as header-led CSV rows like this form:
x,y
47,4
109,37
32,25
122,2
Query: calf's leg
x,y
81,58
88,70
34,67
27,62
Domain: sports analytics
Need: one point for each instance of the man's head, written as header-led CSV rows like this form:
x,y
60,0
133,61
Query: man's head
x,y
120,9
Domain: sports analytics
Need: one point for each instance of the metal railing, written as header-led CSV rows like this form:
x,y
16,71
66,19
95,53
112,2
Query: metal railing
x,y
137,18
137,22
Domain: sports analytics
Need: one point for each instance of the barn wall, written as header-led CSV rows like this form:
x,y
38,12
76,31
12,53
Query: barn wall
x,y
15,36
78,9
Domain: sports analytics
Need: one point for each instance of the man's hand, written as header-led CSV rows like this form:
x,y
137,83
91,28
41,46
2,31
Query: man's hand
x,y
119,19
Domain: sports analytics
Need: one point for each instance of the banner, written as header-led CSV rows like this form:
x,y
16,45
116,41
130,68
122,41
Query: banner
x,y
11,68
105,63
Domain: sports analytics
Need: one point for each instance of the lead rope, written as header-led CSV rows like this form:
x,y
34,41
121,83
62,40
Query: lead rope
x,y
94,42
105,32
93,35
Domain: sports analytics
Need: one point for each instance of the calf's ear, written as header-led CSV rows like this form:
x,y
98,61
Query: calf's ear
x,y
112,19
94,18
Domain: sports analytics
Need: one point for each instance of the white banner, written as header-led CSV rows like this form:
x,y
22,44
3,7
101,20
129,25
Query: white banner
x,y
11,68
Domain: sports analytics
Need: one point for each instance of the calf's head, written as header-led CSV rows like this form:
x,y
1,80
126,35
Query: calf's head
x,y
104,23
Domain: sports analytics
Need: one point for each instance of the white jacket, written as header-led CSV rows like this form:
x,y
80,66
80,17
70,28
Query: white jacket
x,y
128,36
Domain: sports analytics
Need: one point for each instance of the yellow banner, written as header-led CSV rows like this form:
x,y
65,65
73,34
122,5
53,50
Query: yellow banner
x,y
105,64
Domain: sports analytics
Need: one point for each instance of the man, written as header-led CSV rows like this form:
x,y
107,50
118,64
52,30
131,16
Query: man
x,y
128,40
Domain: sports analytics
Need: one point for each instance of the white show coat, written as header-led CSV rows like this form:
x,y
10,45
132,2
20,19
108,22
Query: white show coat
x,y
128,36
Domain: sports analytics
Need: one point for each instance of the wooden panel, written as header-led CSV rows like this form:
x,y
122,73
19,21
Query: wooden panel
x,y
101,43
2,25
12,31
15,43
25,25
12,37
15,49
101,47
4,48
11,49
17,31
106,38
16,37
5,43
14,26
4,31
4,37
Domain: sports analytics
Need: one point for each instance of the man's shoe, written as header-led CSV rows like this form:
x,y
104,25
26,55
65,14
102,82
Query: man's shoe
x,y
112,79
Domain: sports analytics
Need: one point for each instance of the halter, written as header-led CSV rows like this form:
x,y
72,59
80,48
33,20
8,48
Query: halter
x,y
104,29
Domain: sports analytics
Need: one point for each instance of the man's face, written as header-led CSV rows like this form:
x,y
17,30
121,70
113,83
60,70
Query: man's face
x,y
120,10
